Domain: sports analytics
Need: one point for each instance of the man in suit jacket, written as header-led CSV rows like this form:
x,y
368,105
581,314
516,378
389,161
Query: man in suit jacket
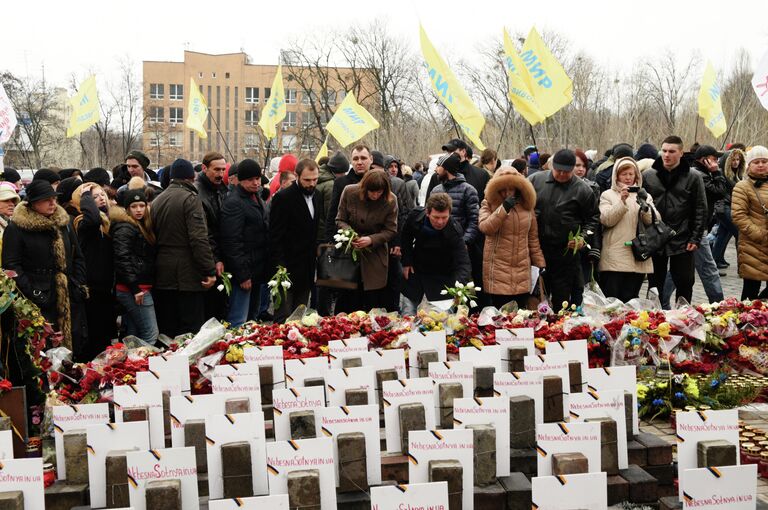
x,y
293,223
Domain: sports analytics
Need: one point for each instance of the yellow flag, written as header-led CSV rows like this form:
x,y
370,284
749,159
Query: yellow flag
x,y
451,93
197,110
710,105
351,121
274,111
546,78
519,92
323,153
86,110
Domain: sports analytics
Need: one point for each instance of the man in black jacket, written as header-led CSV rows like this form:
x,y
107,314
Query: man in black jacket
x,y
244,241
565,205
212,192
434,253
361,163
679,196
293,222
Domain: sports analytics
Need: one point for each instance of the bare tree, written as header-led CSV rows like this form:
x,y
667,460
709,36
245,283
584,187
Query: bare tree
x,y
126,95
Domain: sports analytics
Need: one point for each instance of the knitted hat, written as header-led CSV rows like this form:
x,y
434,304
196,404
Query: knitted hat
x,y
248,169
11,175
134,195
756,152
182,169
67,187
98,175
338,164
47,175
140,157
287,164
450,163
646,151
564,160
378,159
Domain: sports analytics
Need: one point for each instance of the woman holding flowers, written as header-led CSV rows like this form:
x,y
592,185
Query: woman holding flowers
x,y
749,207
370,210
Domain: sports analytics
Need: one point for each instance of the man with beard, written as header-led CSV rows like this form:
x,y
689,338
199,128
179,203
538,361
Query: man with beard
x,y
293,221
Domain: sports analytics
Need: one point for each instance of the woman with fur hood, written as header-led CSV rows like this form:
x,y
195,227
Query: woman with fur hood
x,y
734,170
92,228
134,247
41,248
621,274
512,246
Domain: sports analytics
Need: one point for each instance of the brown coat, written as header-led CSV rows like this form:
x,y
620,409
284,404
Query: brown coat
x,y
749,218
511,239
377,220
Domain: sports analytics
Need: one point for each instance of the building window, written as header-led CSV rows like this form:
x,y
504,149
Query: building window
x,y
290,120
175,115
252,94
176,92
308,97
226,75
213,75
251,117
289,142
154,140
307,145
156,114
200,75
328,98
174,139
306,120
156,90
290,96
267,93
251,140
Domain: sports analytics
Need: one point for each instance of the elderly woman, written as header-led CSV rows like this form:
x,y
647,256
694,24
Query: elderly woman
x,y
8,200
42,250
749,207
370,209
621,207
512,237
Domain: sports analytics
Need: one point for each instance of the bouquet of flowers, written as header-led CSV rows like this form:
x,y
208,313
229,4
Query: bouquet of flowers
x,y
462,294
279,285
226,283
344,239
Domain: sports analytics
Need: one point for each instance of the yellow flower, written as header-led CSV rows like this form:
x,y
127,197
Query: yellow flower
x,y
324,349
642,390
476,342
691,387
642,321
663,329
540,343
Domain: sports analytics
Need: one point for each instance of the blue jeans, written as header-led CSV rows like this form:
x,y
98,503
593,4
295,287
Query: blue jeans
x,y
240,304
139,320
707,271
725,231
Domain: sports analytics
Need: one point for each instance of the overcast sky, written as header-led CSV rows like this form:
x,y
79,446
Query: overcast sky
x,y
85,35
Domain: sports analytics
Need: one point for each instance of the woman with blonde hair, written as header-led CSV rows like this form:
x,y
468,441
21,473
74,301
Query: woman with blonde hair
x,y
508,220
749,207
370,209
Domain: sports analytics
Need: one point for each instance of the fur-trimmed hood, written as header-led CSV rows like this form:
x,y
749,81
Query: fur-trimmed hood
x,y
28,219
526,195
119,215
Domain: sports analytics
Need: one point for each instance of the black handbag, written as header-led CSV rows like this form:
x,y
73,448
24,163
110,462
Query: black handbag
x,y
336,269
650,239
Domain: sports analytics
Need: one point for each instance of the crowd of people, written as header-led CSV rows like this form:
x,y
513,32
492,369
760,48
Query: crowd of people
x,y
141,252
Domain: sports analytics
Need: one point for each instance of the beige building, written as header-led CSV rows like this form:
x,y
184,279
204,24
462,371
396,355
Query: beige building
x,y
236,92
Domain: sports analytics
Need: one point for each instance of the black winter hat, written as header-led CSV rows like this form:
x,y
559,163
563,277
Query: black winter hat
x,y
66,187
455,143
706,150
248,169
134,195
378,158
232,170
622,150
450,163
564,160
46,175
140,157
646,151
39,190
182,169
98,175
338,164
11,175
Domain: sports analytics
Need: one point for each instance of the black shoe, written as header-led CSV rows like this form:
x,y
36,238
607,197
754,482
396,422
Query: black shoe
x,y
723,265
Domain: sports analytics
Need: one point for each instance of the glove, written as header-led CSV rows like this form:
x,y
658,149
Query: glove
x,y
509,202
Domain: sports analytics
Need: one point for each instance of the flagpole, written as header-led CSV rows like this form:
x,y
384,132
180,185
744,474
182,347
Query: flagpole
x,y
266,158
733,120
696,130
530,127
226,145
503,129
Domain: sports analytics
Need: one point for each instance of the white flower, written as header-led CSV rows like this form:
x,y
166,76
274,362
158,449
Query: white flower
x,y
339,245
478,289
286,285
220,287
471,285
271,283
337,237
459,285
473,303
443,292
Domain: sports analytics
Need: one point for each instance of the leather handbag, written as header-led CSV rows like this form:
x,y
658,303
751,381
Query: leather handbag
x,y
650,239
336,269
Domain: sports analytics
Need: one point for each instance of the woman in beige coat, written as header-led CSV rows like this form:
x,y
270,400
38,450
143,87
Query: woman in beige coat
x,y
749,207
370,209
621,274
511,237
